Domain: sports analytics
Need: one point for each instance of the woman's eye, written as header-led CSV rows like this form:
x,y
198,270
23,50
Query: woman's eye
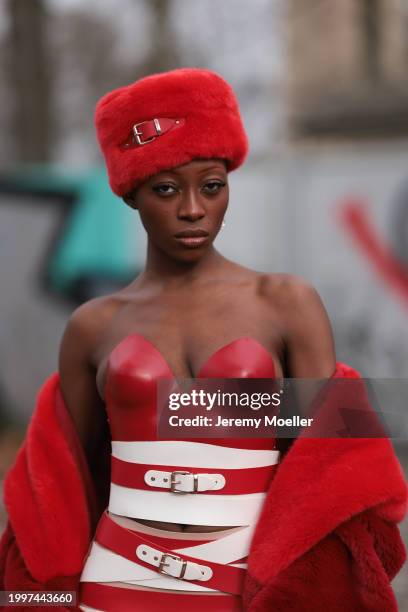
x,y
213,186
164,189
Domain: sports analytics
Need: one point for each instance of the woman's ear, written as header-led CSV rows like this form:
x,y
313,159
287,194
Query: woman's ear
x,y
130,200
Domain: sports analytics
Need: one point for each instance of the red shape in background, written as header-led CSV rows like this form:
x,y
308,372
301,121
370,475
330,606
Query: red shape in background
x,y
354,216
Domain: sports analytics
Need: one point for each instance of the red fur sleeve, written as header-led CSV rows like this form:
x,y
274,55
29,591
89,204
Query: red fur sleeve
x,y
327,539
51,500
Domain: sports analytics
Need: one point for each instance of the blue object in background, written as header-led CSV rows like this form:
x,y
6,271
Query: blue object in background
x,y
99,239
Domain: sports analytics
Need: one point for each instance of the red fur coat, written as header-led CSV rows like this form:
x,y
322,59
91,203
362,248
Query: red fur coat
x,y
327,539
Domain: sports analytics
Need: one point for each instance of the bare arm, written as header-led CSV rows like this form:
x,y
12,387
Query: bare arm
x,y
77,378
309,337
309,344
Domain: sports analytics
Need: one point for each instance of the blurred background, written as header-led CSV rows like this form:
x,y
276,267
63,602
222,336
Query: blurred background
x,y
323,90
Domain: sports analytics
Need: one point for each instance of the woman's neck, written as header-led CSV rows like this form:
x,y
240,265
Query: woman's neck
x,y
169,272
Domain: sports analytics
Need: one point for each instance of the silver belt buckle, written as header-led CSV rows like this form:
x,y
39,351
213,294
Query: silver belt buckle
x,y
174,482
163,563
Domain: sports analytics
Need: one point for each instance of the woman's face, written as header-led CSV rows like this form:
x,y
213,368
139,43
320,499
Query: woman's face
x,y
182,208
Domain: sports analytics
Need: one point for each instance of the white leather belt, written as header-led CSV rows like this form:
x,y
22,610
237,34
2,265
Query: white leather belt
x,y
198,454
205,509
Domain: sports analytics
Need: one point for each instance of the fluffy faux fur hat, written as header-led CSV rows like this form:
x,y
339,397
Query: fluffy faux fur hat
x,y
166,120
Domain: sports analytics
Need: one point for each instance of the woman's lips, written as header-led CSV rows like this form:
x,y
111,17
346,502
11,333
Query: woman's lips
x,y
192,241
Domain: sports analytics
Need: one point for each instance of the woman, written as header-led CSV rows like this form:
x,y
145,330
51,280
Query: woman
x,y
182,515
169,141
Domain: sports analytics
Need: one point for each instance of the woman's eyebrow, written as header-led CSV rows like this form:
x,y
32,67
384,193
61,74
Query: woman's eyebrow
x,y
178,172
164,173
175,172
217,167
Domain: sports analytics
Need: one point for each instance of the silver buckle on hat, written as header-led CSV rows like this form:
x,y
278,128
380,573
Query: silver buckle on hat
x,y
137,134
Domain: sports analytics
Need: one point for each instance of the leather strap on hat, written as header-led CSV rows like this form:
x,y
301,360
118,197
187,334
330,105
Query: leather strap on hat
x,y
146,131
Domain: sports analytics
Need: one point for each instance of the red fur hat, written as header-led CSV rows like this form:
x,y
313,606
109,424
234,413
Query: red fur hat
x,y
166,120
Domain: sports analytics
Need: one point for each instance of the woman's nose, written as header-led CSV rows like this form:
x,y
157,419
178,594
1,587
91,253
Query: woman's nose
x,y
191,207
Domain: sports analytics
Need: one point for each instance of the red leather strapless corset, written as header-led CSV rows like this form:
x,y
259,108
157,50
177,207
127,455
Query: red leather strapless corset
x,y
209,482
134,366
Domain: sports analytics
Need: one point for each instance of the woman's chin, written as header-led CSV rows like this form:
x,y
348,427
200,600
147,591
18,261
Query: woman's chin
x,y
191,255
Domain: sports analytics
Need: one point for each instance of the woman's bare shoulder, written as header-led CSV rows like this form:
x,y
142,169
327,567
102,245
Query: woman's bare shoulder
x,y
287,289
307,330
292,297
281,289
88,321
